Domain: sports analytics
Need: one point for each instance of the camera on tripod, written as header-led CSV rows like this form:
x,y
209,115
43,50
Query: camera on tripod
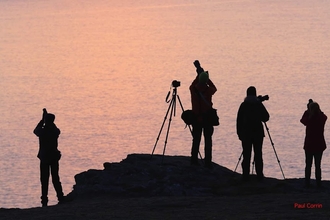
x,y
263,98
170,111
176,83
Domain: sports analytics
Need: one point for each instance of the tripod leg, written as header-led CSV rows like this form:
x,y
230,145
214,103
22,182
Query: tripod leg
x,y
271,141
169,125
160,131
239,159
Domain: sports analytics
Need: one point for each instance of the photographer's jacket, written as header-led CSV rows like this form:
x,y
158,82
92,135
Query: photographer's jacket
x,y
201,97
250,116
48,143
314,139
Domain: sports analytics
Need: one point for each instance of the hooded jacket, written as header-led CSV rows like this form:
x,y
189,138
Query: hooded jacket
x,y
197,90
250,116
314,139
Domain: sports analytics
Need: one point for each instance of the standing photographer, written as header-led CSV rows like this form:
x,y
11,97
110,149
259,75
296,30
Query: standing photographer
x,y
250,131
201,90
49,156
314,120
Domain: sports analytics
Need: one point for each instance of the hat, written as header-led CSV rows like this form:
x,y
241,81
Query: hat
x,y
50,118
203,77
251,91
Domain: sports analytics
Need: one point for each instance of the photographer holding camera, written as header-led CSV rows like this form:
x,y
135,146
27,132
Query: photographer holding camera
x,y
49,156
250,131
201,90
314,145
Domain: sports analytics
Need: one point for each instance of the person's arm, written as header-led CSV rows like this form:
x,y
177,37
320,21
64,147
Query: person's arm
x,y
305,118
212,87
39,128
239,122
193,84
58,131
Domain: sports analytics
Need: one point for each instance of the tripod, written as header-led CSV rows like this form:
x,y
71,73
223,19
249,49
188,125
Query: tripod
x,y
271,141
172,110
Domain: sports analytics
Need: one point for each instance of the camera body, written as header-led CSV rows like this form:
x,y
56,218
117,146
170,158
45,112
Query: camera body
x,y
176,83
263,98
197,64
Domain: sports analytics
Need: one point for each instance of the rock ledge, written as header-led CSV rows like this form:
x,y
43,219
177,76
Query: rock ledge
x,y
157,175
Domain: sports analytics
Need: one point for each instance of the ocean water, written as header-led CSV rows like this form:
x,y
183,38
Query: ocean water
x,y
104,69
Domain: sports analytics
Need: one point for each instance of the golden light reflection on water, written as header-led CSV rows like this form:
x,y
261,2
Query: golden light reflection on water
x,y
105,70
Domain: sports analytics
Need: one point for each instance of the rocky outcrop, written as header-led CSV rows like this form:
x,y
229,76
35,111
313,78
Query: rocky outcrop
x,y
157,175
143,187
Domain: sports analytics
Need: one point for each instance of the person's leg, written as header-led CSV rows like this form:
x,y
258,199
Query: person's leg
x,y
247,147
44,179
197,134
208,132
257,148
56,180
308,167
317,160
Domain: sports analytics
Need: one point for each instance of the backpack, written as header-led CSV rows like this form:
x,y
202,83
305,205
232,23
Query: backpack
x,y
188,117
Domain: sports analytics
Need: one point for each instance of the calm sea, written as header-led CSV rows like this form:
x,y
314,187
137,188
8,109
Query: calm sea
x,y
105,67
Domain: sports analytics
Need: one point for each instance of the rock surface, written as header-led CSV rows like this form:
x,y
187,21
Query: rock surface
x,y
157,187
157,175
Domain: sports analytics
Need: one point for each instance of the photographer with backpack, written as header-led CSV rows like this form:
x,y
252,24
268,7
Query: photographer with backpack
x,y
202,89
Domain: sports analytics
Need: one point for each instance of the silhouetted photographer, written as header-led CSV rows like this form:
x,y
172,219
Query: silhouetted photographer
x,y
250,130
49,156
314,145
202,90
